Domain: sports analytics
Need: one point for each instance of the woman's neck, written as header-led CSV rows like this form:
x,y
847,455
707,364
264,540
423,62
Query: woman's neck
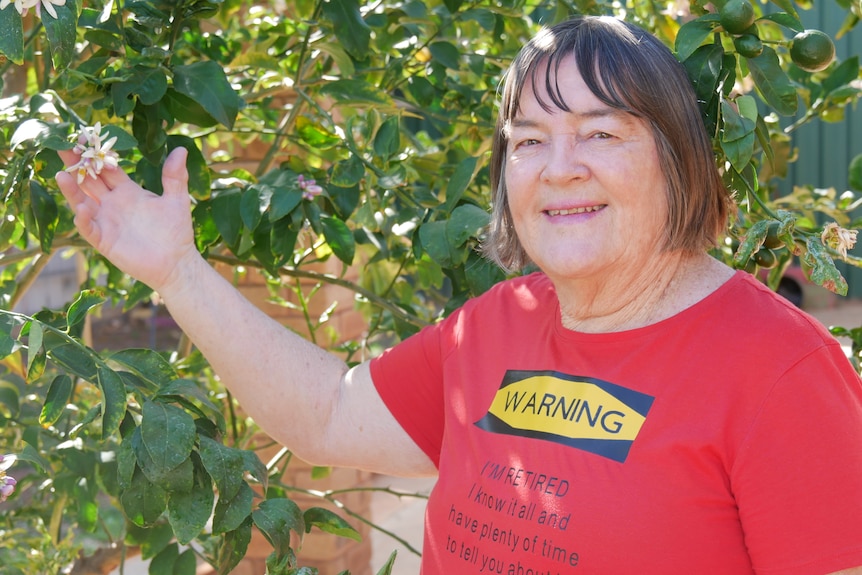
x,y
642,297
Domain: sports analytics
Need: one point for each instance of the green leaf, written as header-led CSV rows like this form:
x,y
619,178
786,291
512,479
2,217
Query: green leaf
x,y
186,563
481,274
39,134
387,141
225,466
58,396
148,126
823,270
692,34
284,201
148,84
180,479
854,177
735,125
187,110
327,521
434,242
459,181
36,356
485,18
200,181
12,35
185,390
740,151
254,203
74,359
206,83
704,69
125,141
751,241
30,455
772,82
349,27
7,342
841,76
86,300
446,54
227,215
390,563
315,134
127,461
339,56
339,238
358,91
163,563
790,21
152,540
255,467
113,400
143,502
276,518
168,434
45,213
231,513
147,364
347,173
10,397
189,512
465,222
234,548
61,32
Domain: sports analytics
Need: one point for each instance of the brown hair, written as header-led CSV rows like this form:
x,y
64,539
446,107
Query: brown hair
x,y
628,69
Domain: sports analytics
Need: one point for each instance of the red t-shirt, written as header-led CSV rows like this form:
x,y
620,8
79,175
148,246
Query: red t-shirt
x,y
726,439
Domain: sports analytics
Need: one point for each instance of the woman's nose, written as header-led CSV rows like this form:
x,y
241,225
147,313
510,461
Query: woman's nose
x,y
565,161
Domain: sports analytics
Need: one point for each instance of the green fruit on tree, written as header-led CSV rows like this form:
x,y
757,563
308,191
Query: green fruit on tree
x,y
772,240
736,16
812,50
748,45
765,258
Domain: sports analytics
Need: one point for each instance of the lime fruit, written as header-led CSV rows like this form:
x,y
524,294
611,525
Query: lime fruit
x,y
748,45
765,258
812,50
736,16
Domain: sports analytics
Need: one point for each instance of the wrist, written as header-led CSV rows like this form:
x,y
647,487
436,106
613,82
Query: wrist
x,y
185,277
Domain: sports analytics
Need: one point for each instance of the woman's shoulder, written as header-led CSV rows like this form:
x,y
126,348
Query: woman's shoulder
x,y
757,311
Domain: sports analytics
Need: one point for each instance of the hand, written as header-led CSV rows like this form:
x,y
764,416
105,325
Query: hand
x,y
145,235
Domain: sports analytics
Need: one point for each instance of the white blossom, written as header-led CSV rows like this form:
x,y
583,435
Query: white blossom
x,y
309,188
94,146
7,483
49,6
838,238
21,6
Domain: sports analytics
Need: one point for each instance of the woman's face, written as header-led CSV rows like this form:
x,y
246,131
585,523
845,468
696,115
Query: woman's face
x,y
585,188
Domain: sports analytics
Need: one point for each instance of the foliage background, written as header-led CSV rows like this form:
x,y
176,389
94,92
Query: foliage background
x,y
389,106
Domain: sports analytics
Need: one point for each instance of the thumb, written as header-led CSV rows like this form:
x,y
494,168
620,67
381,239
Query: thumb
x,y
175,175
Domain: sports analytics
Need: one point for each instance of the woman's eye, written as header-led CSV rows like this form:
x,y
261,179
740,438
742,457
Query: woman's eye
x,y
602,136
526,142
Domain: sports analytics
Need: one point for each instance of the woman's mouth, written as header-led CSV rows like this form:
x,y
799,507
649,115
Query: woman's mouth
x,y
570,211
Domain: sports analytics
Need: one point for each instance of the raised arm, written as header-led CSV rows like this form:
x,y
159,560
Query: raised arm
x,y
303,396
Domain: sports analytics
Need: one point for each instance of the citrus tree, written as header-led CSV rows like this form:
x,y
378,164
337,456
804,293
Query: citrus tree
x,y
373,123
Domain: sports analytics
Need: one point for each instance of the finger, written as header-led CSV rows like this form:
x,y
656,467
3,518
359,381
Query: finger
x,y
69,188
175,175
69,157
85,221
114,177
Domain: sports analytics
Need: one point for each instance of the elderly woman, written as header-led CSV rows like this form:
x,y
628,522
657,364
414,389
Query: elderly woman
x,y
610,413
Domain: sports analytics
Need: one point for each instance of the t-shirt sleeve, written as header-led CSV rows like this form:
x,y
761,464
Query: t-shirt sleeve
x,y
798,475
409,379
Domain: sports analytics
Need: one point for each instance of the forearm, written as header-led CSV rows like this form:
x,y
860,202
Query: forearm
x,y
288,385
